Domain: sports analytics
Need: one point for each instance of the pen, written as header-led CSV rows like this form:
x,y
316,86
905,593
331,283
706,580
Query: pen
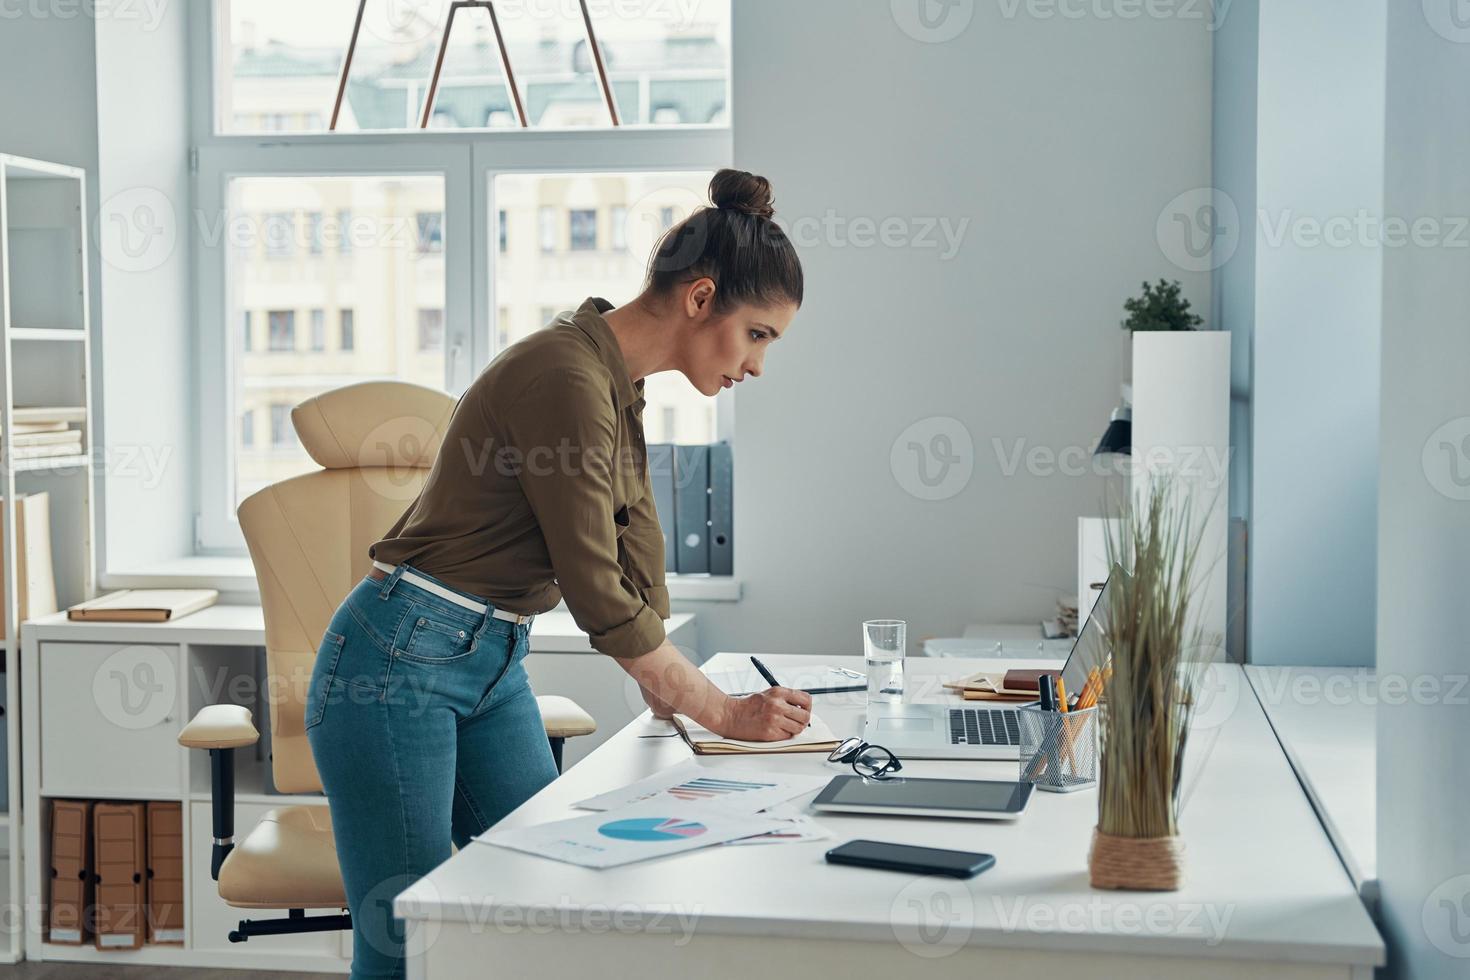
x,y
770,677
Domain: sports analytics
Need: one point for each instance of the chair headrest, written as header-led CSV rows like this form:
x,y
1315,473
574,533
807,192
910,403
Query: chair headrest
x,y
374,423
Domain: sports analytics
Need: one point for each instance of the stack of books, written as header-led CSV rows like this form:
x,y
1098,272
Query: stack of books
x,y
44,432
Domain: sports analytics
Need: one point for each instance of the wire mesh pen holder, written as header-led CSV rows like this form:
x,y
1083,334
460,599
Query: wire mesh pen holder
x,y
1058,750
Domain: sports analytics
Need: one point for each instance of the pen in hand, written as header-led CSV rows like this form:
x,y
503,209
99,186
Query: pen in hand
x,y
770,677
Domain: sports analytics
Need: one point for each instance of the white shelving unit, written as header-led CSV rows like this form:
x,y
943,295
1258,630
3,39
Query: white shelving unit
x,y
45,355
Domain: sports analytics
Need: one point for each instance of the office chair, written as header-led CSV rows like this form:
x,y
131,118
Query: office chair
x,y
308,538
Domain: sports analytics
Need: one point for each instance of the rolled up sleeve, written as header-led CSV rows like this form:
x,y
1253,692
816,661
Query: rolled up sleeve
x,y
561,436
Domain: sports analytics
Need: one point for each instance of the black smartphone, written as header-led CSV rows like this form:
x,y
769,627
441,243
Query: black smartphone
x,y
907,857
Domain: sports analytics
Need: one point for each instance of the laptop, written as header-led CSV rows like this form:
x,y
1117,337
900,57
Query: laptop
x,y
977,729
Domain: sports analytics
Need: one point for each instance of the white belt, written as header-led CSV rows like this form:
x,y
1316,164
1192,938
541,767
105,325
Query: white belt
x,y
429,585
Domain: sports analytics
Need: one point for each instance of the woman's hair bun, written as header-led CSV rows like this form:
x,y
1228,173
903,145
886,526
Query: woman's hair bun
x,y
737,190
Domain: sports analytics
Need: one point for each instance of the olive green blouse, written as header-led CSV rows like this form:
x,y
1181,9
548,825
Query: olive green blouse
x,y
541,491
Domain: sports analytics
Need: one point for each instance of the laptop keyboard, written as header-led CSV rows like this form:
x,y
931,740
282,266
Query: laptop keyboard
x,y
984,726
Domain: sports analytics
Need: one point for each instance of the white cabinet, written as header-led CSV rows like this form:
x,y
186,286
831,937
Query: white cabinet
x,y
110,719
213,919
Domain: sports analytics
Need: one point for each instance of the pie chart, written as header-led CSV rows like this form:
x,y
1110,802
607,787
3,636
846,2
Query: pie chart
x,y
651,829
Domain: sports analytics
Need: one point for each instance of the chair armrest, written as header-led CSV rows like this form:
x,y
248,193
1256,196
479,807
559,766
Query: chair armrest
x,y
563,717
219,726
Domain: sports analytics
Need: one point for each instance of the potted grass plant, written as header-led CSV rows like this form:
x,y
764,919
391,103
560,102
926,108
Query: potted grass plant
x,y
1156,667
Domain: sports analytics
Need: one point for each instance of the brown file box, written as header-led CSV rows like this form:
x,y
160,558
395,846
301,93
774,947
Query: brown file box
x,y
120,840
69,913
165,873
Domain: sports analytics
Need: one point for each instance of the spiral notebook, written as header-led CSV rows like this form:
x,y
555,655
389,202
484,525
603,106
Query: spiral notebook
x,y
817,738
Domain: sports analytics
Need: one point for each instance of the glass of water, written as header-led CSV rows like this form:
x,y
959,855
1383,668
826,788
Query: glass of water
x,y
883,646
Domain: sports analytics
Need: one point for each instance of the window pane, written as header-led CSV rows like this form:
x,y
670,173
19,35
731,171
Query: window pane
x,y
668,63
384,273
534,281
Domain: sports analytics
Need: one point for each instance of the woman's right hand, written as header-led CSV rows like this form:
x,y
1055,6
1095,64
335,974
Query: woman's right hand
x,y
768,716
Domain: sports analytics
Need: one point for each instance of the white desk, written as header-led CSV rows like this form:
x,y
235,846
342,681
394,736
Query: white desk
x,y
1266,895
1326,722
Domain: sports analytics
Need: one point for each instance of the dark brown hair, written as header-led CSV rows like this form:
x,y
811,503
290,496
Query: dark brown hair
x,y
735,242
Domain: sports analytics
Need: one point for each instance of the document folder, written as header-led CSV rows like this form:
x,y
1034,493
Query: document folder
x,y
68,918
119,856
721,510
165,873
691,507
661,478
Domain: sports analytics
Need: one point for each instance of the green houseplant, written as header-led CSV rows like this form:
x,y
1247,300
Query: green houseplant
x,y
1156,664
1159,307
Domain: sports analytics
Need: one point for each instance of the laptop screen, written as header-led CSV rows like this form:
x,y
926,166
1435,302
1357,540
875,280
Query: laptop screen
x,y
1090,650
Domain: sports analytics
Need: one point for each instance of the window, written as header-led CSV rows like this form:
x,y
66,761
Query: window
x,y
431,231
282,329
391,222
283,433
670,432
385,275
279,232
532,286
318,330
584,230
431,330
618,227
247,429
314,226
667,63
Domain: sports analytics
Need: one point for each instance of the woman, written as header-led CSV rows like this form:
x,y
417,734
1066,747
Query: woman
x,y
420,715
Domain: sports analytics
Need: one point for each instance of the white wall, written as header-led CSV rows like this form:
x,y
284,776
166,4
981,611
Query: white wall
x,y
143,186
1318,284
1060,141
1424,504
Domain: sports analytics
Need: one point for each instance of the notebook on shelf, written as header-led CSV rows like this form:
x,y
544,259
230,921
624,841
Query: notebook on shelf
x,y
817,738
142,605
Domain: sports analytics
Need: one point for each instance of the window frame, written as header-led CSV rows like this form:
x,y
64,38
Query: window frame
x,y
467,161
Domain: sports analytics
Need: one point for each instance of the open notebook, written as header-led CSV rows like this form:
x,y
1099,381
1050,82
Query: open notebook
x,y
817,738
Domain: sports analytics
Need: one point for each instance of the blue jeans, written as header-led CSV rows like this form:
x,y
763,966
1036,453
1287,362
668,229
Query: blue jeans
x,y
425,731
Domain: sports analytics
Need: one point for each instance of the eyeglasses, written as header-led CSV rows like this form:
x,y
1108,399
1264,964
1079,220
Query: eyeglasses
x,y
871,761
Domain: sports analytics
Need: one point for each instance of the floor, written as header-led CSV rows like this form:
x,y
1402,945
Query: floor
x,y
91,971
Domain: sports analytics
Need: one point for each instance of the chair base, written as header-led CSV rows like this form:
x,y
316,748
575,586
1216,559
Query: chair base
x,y
296,923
